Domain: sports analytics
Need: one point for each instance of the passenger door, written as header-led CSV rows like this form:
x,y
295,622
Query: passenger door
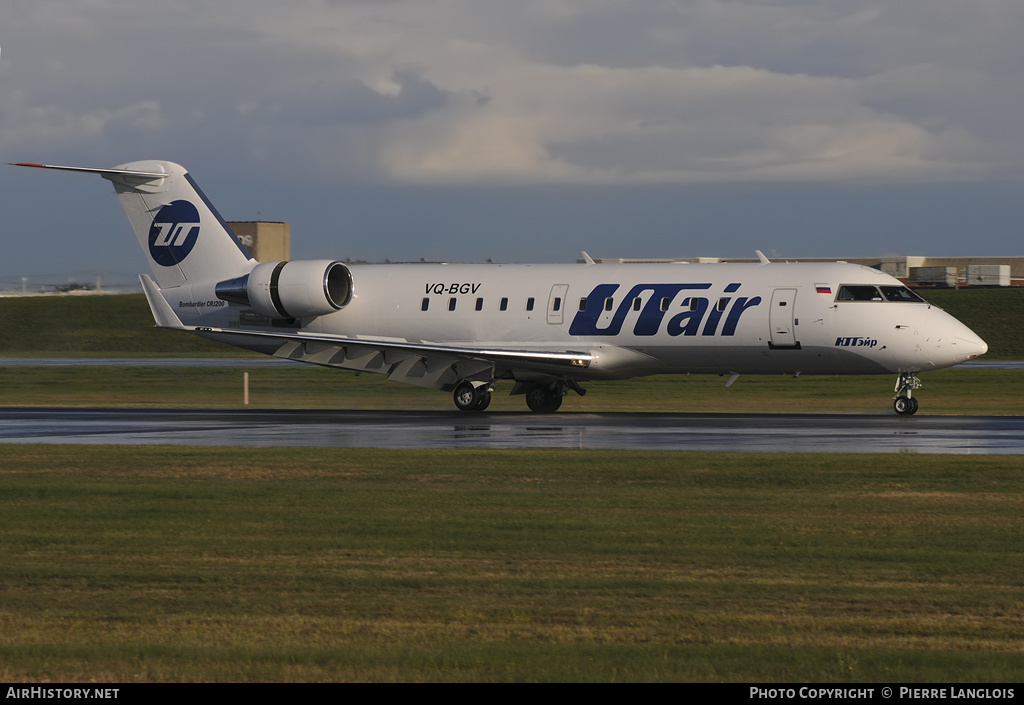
x,y
556,303
782,319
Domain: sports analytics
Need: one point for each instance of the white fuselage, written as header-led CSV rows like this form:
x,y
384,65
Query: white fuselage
x,y
641,319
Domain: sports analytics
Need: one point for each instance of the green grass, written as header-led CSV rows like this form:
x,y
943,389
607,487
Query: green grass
x,y
123,564
119,325
997,315
955,391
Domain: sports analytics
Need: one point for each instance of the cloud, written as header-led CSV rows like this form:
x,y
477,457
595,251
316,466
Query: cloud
x,y
30,126
538,91
350,102
596,124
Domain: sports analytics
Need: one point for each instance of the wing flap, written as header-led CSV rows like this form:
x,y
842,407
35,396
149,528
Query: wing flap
x,y
314,343
423,364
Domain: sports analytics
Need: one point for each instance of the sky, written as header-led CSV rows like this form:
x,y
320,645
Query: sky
x,y
521,131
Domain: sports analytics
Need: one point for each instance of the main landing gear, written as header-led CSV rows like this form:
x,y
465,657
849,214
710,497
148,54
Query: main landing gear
x,y
905,384
544,398
472,398
541,397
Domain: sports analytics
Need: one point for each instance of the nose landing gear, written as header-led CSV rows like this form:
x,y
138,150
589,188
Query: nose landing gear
x,y
903,403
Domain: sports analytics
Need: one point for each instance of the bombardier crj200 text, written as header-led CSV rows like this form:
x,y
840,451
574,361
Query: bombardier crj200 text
x,y
546,328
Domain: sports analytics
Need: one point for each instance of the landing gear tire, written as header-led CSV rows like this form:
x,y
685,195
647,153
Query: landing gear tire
x,y
905,406
470,398
485,401
903,403
543,399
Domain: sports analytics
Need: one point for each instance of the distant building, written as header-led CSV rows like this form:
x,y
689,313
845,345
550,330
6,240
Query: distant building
x,y
268,242
916,271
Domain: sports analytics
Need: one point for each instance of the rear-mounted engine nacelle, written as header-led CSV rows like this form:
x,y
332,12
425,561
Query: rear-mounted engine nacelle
x,y
301,289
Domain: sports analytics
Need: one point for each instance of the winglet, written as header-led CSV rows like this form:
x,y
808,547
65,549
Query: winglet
x,y
163,314
760,256
587,259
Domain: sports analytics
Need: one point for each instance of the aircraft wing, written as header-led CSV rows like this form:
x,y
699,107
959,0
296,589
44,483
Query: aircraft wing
x,y
421,363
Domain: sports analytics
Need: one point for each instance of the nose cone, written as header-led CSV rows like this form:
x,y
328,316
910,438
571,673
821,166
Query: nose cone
x,y
963,344
969,346
951,341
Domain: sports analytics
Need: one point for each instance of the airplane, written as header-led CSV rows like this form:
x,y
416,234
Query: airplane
x,y
547,328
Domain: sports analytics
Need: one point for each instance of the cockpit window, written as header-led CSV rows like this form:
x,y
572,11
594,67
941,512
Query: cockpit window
x,y
858,293
866,292
901,293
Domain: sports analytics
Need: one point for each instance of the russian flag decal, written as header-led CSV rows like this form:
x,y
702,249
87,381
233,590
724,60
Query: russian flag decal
x,y
823,288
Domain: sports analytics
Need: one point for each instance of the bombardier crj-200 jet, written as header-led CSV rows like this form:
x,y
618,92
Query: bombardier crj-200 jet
x,y
463,328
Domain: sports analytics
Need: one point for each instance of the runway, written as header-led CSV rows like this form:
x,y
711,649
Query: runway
x,y
883,433
263,361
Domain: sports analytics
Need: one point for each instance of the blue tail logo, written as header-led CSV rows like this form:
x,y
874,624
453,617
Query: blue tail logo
x,y
173,233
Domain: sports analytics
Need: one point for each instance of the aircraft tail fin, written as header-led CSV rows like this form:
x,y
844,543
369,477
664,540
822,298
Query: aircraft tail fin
x,y
181,233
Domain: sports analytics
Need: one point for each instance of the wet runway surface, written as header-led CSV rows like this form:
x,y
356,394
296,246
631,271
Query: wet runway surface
x,y
884,433
277,362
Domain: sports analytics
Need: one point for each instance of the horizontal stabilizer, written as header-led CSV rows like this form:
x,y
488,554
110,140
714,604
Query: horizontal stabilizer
x,y
105,173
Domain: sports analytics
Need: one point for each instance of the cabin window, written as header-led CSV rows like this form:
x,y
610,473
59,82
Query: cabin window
x,y
480,304
425,304
609,304
583,303
556,305
637,303
694,303
503,305
665,301
723,302
858,293
451,303
529,304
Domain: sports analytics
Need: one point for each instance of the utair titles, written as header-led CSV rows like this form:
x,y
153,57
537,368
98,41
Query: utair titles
x,y
700,316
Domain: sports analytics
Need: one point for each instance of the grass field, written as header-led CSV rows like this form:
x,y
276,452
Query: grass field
x,y
177,564
955,391
994,314
117,325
